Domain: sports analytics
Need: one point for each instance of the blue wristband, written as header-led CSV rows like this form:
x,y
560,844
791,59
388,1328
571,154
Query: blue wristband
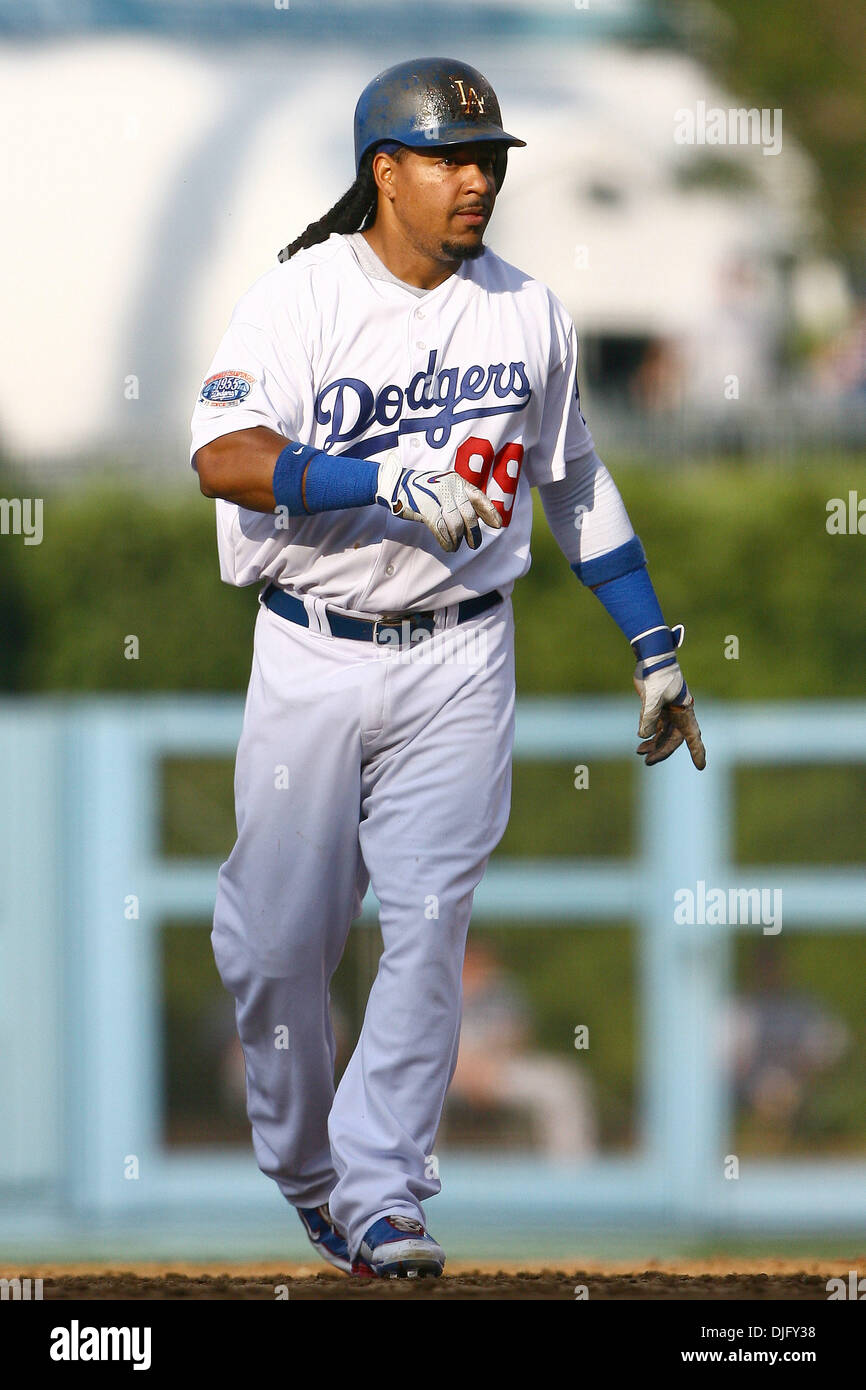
x,y
614,565
307,480
621,581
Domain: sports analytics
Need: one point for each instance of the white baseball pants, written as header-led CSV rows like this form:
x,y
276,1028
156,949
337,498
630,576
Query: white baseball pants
x,y
360,764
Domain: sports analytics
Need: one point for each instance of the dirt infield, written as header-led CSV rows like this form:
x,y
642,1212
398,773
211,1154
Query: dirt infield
x,y
712,1279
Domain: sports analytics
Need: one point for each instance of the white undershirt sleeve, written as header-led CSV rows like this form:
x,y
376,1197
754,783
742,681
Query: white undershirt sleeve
x,y
585,511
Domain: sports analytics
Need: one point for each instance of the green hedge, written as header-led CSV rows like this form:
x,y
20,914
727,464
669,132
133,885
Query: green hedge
x,y
733,551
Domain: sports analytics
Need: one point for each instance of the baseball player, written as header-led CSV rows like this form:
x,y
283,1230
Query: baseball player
x,y
371,426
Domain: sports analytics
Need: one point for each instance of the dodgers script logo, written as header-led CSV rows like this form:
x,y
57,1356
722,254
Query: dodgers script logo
x,y
350,408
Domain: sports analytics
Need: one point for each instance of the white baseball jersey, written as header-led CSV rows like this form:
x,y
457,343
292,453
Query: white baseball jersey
x,y
478,374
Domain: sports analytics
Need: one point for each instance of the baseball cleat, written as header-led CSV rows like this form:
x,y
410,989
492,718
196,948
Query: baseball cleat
x,y
325,1236
398,1247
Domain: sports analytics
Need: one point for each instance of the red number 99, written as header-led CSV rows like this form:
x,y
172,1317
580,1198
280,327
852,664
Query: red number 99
x,y
475,461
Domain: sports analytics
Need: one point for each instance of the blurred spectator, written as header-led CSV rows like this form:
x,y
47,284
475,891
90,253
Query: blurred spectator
x,y
840,366
501,1077
499,1070
778,1040
658,383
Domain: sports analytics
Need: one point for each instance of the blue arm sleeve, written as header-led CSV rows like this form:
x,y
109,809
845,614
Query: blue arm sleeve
x,y
307,480
620,579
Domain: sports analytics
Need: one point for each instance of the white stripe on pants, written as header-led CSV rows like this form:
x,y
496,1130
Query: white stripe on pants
x,y
398,767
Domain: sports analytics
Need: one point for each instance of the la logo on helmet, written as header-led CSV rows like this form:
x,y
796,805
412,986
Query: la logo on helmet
x,y
473,104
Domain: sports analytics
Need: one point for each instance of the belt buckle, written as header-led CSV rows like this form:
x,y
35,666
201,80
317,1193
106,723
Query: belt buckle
x,y
391,620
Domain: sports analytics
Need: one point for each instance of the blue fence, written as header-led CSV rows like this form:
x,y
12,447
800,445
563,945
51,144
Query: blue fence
x,y
80,1089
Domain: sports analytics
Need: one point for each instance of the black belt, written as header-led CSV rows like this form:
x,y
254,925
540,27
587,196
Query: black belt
x,y
367,630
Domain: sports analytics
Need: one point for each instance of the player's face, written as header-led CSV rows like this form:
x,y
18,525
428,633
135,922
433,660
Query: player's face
x,y
444,198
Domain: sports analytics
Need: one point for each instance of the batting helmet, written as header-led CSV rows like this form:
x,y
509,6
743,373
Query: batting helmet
x,y
428,102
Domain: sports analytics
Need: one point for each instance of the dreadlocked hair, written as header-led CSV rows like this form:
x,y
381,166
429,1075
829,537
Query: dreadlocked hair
x,y
354,211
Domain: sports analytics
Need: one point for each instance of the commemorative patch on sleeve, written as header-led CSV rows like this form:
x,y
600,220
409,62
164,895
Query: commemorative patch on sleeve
x,y
227,388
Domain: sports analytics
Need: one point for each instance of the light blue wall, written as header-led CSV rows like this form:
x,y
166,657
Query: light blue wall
x,y
79,1081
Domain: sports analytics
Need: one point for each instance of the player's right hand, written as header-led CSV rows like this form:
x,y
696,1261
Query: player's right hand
x,y
448,505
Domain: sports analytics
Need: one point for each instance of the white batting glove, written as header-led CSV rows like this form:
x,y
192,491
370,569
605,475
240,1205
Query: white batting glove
x,y
447,504
667,716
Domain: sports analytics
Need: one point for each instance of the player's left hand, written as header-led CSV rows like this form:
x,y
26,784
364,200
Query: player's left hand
x,y
667,714
448,505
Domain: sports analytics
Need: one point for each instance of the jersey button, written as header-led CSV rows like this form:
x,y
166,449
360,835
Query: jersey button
x,y
422,347
389,570
419,313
